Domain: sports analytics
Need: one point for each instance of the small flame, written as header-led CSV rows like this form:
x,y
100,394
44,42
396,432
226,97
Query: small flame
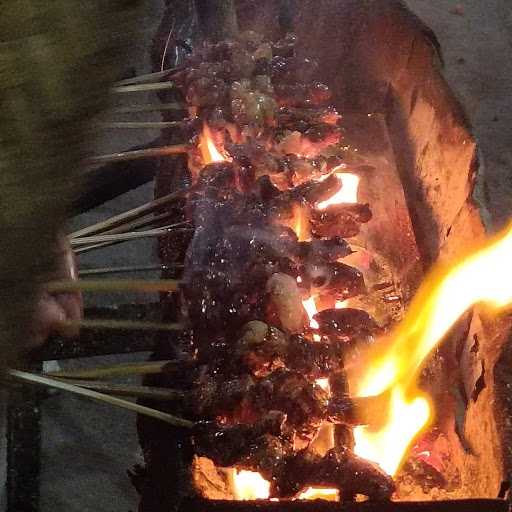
x,y
249,485
319,493
209,152
447,293
301,224
348,192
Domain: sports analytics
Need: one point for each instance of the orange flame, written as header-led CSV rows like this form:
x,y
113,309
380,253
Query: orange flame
x,y
348,192
483,276
249,485
209,152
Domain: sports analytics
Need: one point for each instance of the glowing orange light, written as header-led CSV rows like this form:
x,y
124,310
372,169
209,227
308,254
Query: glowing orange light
x,y
448,292
249,485
348,192
301,224
209,152
319,493
311,310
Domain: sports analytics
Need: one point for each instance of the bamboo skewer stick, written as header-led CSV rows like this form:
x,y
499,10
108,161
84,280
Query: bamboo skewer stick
x,y
130,215
113,285
141,222
104,245
124,270
148,77
121,237
153,393
123,325
100,397
156,86
155,107
134,125
110,372
176,149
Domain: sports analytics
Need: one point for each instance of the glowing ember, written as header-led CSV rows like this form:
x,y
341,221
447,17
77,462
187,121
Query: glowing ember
x,y
482,276
311,310
249,485
209,151
348,192
312,493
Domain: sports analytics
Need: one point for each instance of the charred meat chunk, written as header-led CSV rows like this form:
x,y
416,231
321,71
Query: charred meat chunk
x,y
226,445
336,279
342,220
324,250
346,323
338,468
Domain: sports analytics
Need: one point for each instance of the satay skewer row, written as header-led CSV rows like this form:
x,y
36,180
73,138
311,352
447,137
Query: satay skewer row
x,y
148,77
127,269
118,370
123,325
126,236
146,392
145,221
103,245
157,152
113,285
156,86
150,107
132,215
101,397
140,125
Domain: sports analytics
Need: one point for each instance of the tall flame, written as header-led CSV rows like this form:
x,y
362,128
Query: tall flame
x,y
448,292
209,152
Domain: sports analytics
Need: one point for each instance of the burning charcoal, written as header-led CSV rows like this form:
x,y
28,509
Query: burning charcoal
x,y
346,323
317,191
329,250
304,169
286,299
340,469
340,220
336,279
261,348
227,444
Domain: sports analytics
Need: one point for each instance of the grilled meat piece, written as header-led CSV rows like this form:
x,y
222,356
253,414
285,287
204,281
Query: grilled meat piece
x,y
342,220
227,445
338,280
324,250
346,324
303,402
340,469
